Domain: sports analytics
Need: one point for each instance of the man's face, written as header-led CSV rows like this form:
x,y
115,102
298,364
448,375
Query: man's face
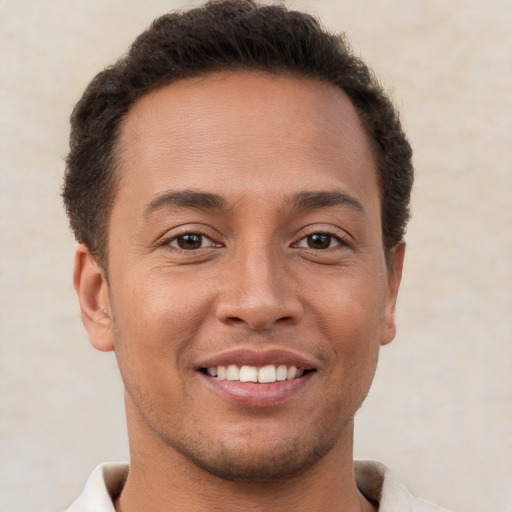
x,y
246,232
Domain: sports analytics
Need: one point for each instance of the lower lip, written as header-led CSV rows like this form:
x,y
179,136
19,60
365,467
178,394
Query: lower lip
x,y
250,394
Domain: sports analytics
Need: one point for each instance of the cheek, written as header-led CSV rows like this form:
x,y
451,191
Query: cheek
x,y
351,319
353,307
161,305
354,339
355,350
158,317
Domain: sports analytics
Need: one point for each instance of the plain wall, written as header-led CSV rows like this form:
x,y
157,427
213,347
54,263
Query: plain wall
x,y
440,410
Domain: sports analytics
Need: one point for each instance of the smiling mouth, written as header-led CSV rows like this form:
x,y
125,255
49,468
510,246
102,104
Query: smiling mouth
x,y
264,375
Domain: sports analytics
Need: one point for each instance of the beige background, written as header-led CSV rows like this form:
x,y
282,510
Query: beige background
x,y
440,411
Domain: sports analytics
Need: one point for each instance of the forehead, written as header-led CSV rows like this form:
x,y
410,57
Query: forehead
x,y
226,131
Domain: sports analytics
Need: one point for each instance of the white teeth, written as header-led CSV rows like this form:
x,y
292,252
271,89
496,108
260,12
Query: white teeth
x,y
232,372
248,374
221,372
265,374
281,372
292,373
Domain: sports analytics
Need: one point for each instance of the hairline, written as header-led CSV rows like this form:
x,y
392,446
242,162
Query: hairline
x,y
118,128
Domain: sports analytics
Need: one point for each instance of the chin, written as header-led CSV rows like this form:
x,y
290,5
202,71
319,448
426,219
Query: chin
x,y
247,460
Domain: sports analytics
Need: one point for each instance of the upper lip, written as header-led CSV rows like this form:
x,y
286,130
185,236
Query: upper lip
x,y
258,358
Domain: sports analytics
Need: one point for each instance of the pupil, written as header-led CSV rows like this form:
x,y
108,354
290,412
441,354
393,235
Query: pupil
x,y
191,241
319,241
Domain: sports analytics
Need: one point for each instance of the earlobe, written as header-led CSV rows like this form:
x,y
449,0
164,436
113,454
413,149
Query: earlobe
x,y
92,290
395,266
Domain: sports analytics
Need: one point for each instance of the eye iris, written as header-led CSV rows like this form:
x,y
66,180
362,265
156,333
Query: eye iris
x,y
189,241
319,241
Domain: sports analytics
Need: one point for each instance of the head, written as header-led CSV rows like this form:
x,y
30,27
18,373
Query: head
x,y
224,35
245,182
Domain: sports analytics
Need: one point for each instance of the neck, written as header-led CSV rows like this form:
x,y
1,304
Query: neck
x,y
161,479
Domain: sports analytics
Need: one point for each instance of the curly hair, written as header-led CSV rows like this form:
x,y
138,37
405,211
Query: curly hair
x,y
225,35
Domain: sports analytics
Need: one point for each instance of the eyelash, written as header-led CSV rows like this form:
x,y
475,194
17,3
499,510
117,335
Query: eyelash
x,y
174,241
340,240
201,236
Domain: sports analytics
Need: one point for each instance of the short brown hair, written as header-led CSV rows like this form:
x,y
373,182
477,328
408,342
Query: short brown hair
x,y
224,35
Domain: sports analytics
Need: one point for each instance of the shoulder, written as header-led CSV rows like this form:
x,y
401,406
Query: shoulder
x,y
379,484
102,487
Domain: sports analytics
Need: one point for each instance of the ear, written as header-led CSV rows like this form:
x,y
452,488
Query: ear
x,y
395,266
92,289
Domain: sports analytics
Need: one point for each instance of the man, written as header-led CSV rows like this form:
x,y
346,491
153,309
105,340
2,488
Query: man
x,y
239,187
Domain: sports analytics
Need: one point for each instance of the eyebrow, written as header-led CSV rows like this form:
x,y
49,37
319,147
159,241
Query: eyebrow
x,y
324,199
186,199
208,201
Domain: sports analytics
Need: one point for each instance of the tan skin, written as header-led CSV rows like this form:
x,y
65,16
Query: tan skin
x,y
272,262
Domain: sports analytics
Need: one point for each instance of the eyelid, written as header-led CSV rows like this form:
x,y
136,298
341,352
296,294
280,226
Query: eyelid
x,y
340,235
340,241
203,236
179,231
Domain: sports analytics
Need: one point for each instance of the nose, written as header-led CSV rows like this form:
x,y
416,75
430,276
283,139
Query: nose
x,y
258,292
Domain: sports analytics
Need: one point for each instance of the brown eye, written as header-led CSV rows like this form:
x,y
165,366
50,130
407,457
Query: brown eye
x,y
319,241
190,241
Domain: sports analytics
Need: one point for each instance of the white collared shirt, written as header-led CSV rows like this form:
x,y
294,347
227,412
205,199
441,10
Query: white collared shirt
x,y
373,479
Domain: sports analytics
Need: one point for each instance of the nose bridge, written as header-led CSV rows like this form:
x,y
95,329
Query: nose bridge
x,y
258,290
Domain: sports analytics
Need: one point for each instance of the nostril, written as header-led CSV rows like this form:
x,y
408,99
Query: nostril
x,y
260,323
